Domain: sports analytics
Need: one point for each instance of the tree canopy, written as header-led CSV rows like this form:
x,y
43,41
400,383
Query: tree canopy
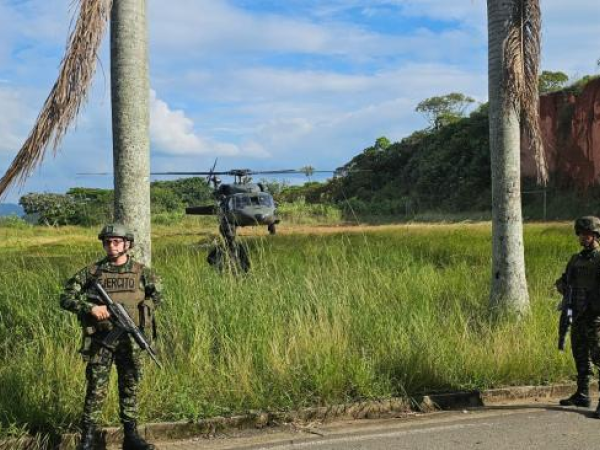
x,y
552,81
445,109
92,206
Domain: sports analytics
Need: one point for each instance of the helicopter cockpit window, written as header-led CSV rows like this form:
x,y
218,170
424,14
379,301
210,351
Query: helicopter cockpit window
x,y
265,200
261,200
241,201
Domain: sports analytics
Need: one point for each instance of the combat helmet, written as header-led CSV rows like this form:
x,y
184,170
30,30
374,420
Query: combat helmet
x,y
116,230
590,224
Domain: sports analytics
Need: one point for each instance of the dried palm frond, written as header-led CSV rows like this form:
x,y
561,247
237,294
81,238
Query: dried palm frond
x,y
68,93
522,51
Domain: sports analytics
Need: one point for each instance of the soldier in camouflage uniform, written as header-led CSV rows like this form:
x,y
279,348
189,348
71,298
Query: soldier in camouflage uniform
x,y
581,280
137,288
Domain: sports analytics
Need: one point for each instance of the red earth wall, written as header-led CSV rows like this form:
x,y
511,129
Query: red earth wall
x,y
571,133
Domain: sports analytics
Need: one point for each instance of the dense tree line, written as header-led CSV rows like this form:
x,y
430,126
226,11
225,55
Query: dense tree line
x,y
91,206
443,169
439,169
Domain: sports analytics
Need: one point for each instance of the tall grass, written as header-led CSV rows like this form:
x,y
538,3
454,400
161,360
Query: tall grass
x,y
309,213
320,319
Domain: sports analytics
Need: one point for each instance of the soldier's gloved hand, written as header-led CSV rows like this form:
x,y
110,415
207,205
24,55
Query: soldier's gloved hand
x,y
100,312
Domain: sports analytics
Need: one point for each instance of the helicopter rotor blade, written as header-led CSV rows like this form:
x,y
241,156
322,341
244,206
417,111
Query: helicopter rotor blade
x,y
189,173
290,171
240,172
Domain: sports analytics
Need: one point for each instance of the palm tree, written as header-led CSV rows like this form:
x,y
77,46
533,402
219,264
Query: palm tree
x,y
130,98
513,65
130,87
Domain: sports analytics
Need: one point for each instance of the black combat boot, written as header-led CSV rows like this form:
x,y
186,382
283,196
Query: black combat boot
x,y
87,441
580,398
132,440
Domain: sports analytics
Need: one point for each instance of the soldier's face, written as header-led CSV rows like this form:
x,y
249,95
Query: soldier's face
x,y
586,239
114,247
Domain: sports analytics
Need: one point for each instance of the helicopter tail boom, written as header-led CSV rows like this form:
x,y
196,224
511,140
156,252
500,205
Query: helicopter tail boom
x,y
207,210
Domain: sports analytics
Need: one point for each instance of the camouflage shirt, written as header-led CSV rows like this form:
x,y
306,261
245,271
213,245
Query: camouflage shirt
x,y
74,297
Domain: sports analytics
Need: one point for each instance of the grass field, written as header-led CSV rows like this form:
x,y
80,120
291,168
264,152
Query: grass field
x,y
327,314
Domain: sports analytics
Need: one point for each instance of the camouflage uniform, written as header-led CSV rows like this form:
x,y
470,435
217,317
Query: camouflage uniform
x,y
581,281
582,276
78,297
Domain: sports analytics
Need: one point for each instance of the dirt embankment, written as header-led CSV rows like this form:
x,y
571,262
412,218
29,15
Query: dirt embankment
x,y
571,133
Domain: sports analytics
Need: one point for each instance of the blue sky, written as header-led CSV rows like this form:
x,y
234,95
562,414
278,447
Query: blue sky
x,y
268,84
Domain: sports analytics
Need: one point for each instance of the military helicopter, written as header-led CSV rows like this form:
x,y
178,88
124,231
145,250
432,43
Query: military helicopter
x,y
238,204
241,203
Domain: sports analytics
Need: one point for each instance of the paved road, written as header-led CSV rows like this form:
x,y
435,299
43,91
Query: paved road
x,y
503,427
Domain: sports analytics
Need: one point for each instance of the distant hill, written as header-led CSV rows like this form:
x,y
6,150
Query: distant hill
x,y
6,209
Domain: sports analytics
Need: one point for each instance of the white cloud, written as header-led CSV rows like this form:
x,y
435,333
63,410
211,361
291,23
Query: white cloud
x,y
466,12
199,28
208,26
317,124
215,26
471,11
291,94
173,133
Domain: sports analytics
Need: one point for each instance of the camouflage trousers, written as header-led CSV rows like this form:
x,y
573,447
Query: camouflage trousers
x,y
126,357
585,345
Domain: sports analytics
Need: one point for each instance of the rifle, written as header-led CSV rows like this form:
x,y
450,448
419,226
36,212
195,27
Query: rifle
x,y
123,323
566,317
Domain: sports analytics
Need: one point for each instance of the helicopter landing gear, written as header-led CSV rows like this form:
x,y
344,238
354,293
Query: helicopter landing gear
x,y
272,229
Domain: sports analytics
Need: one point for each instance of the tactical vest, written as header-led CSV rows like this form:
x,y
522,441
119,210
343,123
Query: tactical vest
x,y
127,289
584,279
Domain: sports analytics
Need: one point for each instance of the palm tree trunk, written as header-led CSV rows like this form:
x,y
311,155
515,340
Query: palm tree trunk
x,y
509,285
130,120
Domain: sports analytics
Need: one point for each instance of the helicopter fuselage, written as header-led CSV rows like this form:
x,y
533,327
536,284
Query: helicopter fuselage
x,y
241,205
249,209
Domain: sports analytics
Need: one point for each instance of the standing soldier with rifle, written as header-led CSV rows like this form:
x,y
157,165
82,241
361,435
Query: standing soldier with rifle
x,y
580,287
114,300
